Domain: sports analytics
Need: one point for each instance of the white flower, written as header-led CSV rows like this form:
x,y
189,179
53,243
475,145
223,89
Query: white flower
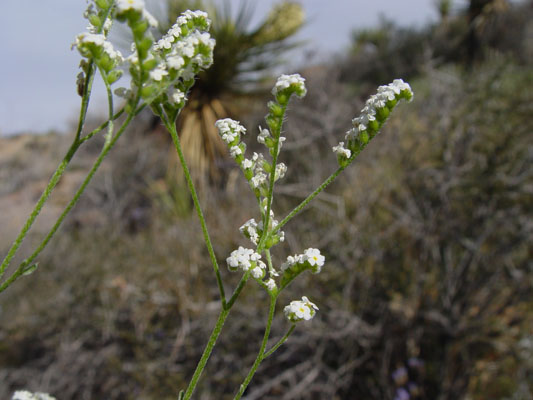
x,y
286,81
259,180
281,169
270,284
244,259
257,273
125,5
176,96
175,62
396,90
158,74
263,135
228,126
249,229
341,151
235,151
247,164
25,395
313,257
300,310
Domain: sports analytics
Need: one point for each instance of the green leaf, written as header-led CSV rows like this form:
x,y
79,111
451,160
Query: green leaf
x,y
29,269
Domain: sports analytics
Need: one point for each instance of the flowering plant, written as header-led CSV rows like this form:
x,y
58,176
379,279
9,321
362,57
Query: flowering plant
x,y
162,73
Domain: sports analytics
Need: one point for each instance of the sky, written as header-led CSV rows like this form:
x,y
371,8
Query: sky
x,y
38,68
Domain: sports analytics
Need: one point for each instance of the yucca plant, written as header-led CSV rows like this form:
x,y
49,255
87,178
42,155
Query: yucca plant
x,y
243,60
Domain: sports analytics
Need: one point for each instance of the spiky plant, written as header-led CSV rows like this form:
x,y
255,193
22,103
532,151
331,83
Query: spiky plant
x,y
243,61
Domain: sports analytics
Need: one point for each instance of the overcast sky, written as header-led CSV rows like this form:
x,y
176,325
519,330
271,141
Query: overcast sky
x,y
38,69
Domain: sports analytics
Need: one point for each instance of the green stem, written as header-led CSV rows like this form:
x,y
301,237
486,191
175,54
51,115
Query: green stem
x,y
207,352
70,205
266,223
38,207
224,312
102,126
281,341
110,125
309,198
261,355
171,126
57,174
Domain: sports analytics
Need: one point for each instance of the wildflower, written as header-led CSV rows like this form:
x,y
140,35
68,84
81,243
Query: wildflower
x,y
158,74
250,230
247,164
290,84
176,96
281,169
264,135
127,5
25,395
315,259
243,259
235,151
373,115
271,284
311,259
300,310
341,151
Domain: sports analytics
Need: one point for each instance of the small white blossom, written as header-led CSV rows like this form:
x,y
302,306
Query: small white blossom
x,y
286,81
341,151
247,164
396,90
257,273
313,257
175,62
158,74
244,259
281,169
25,395
235,151
229,129
270,284
249,229
259,180
300,310
263,135
126,5
176,96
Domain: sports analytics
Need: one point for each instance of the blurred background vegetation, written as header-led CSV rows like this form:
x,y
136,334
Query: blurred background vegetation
x,y
427,290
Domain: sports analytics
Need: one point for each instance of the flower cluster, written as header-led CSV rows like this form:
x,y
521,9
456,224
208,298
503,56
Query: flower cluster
x,y
175,60
162,72
374,114
230,131
95,46
311,259
25,395
247,260
137,8
300,310
253,231
289,84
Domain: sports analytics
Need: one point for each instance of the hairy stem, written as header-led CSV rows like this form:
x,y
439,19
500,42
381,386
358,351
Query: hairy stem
x,y
77,195
261,355
56,176
171,126
280,342
213,338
